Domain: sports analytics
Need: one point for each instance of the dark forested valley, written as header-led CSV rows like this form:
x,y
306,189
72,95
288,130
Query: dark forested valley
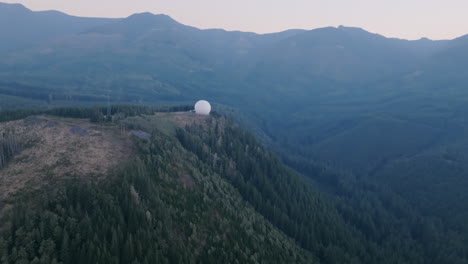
x,y
333,145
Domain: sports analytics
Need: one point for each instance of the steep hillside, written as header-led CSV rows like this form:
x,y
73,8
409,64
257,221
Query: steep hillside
x,y
378,124
190,189
158,204
23,28
341,54
153,58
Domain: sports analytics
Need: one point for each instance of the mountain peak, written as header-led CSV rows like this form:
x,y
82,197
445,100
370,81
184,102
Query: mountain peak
x,y
137,24
339,31
424,39
13,7
352,29
144,14
151,18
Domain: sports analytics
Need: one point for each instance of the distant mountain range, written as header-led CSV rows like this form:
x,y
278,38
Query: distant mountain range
x,y
23,28
390,111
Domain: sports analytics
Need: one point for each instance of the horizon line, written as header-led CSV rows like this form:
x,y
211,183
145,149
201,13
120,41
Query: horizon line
x,y
231,30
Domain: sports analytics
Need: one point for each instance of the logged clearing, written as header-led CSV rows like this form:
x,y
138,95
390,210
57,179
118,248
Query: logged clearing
x,y
54,149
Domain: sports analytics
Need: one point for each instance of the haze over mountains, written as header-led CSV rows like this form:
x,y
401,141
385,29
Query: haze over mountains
x,y
24,28
385,112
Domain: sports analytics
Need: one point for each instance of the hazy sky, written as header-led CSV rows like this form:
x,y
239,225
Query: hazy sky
x,y
410,19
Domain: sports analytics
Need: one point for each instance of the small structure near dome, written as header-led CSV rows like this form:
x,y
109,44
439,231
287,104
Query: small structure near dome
x,y
202,107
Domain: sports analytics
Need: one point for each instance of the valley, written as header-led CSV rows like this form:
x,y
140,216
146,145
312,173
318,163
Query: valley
x,y
331,145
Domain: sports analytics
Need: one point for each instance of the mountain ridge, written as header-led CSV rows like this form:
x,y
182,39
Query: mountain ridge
x,y
198,184
148,14
388,113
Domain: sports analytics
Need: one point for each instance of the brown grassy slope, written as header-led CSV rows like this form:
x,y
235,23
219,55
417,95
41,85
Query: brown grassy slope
x,y
57,148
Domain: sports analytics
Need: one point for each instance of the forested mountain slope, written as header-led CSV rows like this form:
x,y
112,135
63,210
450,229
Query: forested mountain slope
x,y
161,204
374,122
196,189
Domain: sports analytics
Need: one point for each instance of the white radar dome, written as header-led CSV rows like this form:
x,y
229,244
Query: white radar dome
x,y
202,107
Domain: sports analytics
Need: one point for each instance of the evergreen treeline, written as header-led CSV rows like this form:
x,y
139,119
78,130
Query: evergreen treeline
x,y
381,214
213,194
95,114
363,224
165,206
